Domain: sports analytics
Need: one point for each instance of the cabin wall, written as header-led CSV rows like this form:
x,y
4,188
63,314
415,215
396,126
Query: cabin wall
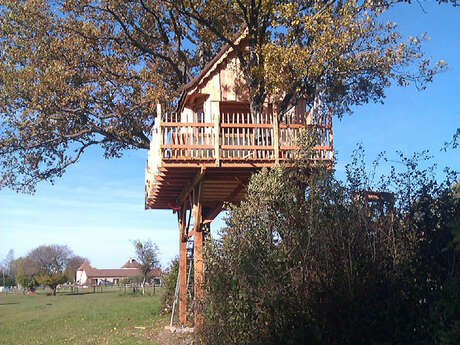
x,y
232,83
226,85
212,88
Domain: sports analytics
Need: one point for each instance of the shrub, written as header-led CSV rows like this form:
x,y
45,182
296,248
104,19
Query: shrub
x,y
308,259
169,282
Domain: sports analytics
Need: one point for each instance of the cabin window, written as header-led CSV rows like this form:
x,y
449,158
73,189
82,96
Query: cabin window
x,y
231,107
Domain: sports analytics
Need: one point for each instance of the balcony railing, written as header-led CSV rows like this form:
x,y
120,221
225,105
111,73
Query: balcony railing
x,y
234,137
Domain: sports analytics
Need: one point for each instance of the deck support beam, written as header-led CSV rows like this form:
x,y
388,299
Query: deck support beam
x,y
182,267
213,213
189,188
198,265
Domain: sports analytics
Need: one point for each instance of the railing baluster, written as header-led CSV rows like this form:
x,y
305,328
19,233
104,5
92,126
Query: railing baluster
x,y
265,142
240,135
182,139
201,141
222,137
194,141
233,135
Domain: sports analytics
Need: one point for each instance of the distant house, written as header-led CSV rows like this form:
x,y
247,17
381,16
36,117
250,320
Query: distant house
x,y
157,276
87,275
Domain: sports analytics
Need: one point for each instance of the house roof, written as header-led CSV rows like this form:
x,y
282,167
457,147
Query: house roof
x,y
129,269
156,272
131,263
112,272
85,266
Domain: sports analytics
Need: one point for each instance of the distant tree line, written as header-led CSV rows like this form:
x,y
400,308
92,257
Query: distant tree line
x,y
48,265
310,259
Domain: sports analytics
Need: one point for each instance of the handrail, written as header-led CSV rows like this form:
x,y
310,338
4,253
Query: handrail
x,y
234,136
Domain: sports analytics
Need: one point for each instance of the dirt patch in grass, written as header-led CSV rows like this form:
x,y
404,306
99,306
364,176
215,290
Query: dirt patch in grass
x,y
166,337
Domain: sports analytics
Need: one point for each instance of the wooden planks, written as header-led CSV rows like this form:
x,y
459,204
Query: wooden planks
x,y
238,143
241,136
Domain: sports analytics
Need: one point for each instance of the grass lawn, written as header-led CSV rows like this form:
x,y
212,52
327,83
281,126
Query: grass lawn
x,y
90,319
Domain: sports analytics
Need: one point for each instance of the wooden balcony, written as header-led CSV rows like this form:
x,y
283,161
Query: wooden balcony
x,y
232,145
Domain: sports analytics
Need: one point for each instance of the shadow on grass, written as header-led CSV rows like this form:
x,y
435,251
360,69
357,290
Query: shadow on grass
x,y
9,303
75,294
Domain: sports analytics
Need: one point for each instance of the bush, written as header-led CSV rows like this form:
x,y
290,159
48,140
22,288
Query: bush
x,y
169,282
308,259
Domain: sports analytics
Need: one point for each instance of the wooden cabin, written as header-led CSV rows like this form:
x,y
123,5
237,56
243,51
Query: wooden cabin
x,y
203,155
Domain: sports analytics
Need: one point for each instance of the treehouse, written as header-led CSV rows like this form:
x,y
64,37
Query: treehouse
x,y
202,155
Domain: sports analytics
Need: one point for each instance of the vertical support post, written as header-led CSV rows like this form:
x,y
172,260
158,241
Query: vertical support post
x,y
159,110
198,254
182,268
331,135
215,111
276,137
160,136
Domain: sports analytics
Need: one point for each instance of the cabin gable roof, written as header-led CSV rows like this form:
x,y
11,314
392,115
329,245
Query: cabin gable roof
x,y
210,68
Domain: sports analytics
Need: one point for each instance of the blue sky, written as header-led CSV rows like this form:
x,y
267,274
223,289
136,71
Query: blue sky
x,y
97,208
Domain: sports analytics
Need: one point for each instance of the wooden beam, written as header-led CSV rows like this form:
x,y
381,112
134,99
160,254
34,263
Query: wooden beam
x,y
198,265
216,113
246,125
186,147
276,140
213,213
186,191
182,268
331,134
187,124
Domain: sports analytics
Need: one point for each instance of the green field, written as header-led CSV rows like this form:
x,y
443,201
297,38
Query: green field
x,y
88,318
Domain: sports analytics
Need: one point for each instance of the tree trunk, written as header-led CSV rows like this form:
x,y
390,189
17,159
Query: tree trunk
x,y
255,82
54,290
143,287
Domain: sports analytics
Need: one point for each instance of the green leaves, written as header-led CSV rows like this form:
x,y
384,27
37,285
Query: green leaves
x,y
51,279
308,259
72,78
77,74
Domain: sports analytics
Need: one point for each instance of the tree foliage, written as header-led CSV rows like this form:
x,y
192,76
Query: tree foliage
x,y
147,255
169,284
52,261
25,271
49,265
5,268
308,259
77,74
52,280
72,266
